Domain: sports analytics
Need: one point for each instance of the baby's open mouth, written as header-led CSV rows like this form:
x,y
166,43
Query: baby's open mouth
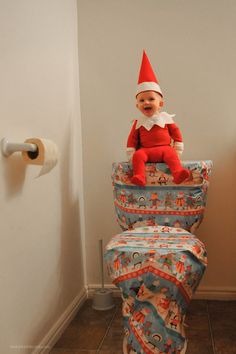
x,y
147,108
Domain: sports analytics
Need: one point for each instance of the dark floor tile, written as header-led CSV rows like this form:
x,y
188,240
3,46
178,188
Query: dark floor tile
x,y
86,332
114,338
197,307
199,346
87,329
222,306
198,325
223,312
223,323
198,330
225,345
87,313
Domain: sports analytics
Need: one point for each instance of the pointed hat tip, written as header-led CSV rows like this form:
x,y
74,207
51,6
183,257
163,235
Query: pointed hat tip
x,y
146,72
147,80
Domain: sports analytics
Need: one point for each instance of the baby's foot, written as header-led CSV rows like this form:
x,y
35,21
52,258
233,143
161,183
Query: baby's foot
x,y
181,176
139,180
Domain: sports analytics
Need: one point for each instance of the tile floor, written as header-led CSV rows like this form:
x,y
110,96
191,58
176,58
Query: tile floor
x,y
212,330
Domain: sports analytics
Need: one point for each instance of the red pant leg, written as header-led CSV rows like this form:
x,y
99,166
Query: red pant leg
x,y
144,155
171,158
139,159
165,154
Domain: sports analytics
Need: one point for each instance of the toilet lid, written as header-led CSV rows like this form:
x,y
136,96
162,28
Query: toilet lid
x,y
165,239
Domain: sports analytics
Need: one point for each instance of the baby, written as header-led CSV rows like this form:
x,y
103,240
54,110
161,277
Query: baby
x,y
152,133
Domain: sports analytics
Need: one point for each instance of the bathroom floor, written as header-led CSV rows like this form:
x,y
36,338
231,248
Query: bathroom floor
x,y
212,329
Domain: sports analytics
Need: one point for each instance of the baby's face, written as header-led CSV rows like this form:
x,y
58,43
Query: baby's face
x,y
149,102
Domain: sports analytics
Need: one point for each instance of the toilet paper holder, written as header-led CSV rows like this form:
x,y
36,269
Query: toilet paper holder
x,y
9,148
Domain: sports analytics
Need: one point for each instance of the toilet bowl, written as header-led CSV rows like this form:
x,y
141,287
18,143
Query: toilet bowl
x,y
158,262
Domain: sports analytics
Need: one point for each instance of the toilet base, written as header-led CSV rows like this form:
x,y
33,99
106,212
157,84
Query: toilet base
x,y
157,273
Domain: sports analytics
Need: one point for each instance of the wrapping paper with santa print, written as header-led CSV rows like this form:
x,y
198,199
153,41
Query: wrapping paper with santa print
x,y
161,201
157,270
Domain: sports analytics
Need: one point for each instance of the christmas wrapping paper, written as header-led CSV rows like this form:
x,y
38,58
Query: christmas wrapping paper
x,y
157,270
161,201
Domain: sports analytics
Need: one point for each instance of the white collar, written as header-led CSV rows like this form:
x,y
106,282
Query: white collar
x,y
159,118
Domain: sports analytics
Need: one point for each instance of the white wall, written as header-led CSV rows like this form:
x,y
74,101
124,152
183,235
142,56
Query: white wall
x,y
41,269
192,47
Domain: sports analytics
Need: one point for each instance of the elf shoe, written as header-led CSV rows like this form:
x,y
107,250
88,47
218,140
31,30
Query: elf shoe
x,y
139,180
181,176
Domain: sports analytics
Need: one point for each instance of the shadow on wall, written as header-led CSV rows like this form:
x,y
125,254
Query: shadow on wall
x,y
70,261
14,169
69,270
217,229
222,191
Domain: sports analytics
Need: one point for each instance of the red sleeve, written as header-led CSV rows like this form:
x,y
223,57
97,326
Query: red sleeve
x,y
175,133
133,136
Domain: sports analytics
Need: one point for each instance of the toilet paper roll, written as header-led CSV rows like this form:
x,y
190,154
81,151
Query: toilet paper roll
x,y
46,154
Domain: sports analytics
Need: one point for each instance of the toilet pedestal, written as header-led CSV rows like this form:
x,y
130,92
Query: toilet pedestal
x,y
157,270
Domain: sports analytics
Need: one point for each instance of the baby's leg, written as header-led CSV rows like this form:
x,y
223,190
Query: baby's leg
x,y
171,158
139,159
142,156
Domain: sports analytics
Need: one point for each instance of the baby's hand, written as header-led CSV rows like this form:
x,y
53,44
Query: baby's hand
x,y
179,147
129,153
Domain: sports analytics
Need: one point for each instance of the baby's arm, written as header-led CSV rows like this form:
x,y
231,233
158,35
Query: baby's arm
x,y
176,135
132,142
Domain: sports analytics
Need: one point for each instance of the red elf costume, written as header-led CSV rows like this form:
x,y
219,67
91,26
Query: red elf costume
x,y
151,137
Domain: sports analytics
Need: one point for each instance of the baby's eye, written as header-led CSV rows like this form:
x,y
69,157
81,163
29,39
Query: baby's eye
x,y
152,99
141,100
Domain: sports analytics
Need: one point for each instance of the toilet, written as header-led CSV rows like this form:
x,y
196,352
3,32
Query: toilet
x,y
157,261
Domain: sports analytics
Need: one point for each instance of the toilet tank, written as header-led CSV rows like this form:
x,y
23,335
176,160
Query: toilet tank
x,y
161,201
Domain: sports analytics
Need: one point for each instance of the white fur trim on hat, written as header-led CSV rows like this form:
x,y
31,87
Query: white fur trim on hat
x,y
148,86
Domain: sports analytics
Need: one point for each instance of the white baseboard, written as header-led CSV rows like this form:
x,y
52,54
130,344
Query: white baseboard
x,y
202,293
215,293
59,327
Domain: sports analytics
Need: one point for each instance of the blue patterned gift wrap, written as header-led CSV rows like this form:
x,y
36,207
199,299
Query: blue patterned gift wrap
x,y
161,201
157,270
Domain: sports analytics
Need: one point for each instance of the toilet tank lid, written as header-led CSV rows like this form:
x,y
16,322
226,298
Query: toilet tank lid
x,y
201,171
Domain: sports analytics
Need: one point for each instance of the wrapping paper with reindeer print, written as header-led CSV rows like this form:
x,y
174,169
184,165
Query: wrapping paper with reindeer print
x,y
161,201
157,270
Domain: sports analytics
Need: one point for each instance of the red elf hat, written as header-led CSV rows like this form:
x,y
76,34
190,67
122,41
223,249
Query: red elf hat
x,y
147,80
